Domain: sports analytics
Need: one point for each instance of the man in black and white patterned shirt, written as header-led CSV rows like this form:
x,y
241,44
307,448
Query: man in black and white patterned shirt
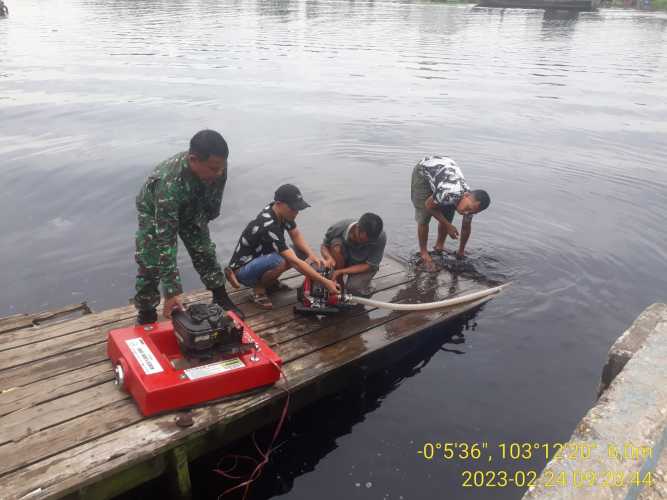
x,y
438,189
262,254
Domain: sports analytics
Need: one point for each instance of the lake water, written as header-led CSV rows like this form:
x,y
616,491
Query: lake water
x,y
562,118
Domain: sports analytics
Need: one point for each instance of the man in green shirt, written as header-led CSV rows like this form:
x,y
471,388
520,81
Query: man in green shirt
x,y
179,198
354,248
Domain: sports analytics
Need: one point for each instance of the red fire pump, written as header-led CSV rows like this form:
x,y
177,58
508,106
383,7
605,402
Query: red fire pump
x,y
314,299
203,354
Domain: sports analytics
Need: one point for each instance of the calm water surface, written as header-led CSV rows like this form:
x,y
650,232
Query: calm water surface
x,y
562,119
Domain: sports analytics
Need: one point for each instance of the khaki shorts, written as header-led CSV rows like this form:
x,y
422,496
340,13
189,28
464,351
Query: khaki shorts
x,y
419,192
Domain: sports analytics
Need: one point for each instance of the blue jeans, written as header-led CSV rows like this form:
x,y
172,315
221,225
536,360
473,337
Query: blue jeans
x,y
252,272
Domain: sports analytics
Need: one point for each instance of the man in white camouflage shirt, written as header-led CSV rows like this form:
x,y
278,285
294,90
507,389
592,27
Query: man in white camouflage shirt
x,y
438,189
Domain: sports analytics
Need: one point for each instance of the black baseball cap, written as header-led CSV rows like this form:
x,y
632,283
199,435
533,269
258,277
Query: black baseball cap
x,y
290,194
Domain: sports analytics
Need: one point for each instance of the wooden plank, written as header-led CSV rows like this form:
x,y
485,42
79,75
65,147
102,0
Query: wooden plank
x,y
31,353
85,357
38,334
294,329
98,459
44,442
28,320
96,320
101,417
218,435
60,341
20,424
18,398
27,448
10,396
46,368
18,321
109,318
77,346
104,318
55,387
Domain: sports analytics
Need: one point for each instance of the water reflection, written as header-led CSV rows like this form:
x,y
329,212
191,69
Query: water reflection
x,y
568,17
306,441
281,9
313,9
483,269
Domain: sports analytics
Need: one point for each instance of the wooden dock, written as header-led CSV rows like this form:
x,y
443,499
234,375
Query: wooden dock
x,y
67,431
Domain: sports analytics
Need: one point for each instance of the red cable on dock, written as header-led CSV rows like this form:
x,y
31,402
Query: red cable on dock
x,y
257,471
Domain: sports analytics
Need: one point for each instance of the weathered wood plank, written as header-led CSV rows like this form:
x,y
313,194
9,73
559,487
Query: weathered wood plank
x,y
100,458
27,448
60,341
28,354
55,387
20,424
108,319
103,319
18,321
280,335
7,322
48,441
19,398
23,375
11,374
125,407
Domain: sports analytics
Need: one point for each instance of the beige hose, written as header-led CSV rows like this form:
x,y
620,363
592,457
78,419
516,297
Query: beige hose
x,y
429,305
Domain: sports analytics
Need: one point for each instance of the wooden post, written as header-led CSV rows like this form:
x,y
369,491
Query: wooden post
x,y
179,474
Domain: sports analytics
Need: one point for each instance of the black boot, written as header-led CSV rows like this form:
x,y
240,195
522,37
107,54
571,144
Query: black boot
x,y
221,298
146,316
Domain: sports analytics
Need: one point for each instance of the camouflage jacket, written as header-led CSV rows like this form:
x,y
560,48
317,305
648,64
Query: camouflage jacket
x,y
174,200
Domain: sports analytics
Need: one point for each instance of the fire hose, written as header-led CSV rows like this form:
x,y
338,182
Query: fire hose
x,y
425,306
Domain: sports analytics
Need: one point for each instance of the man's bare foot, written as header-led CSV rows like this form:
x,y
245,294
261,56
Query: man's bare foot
x,y
231,277
439,251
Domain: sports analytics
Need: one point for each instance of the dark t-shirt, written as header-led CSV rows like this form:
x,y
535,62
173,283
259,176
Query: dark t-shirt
x,y
263,235
371,252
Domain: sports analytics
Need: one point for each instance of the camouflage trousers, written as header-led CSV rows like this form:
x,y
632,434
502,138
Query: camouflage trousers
x,y
151,262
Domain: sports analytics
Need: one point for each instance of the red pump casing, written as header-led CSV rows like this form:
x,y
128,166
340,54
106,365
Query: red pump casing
x,y
148,356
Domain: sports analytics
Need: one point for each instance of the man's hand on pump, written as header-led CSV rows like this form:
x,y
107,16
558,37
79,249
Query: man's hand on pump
x,y
171,304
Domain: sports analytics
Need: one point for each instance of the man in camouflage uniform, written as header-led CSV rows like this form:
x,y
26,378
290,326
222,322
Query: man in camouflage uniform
x,y
179,198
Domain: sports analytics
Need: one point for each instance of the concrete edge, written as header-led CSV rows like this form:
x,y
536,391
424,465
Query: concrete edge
x,y
614,451
630,342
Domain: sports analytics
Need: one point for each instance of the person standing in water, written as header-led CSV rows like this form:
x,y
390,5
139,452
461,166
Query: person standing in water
x,y
438,189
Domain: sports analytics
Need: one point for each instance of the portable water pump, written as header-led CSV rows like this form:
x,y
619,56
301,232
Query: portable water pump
x,y
314,298
203,354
